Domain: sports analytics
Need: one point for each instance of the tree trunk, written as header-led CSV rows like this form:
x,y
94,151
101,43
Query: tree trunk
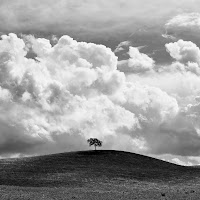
x,y
95,147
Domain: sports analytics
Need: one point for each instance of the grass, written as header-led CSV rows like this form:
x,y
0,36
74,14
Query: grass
x,y
101,174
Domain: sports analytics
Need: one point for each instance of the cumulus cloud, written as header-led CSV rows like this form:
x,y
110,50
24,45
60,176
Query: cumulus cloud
x,y
186,55
69,92
65,89
150,102
177,137
184,51
189,20
122,46
179,78
178,67
137,63
73,90
185,26
178,133
153,108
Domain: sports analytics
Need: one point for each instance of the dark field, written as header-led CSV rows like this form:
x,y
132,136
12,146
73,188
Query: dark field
x,y
98,174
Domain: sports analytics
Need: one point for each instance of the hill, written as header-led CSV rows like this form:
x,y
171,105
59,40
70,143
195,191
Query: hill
x,y
96,169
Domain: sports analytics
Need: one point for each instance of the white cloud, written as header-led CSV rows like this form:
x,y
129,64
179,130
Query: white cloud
x,y
72,91
65,91
122,46
178,133
151,102
180,162
184,51
194,159
167,36
188,20
185,26
137,63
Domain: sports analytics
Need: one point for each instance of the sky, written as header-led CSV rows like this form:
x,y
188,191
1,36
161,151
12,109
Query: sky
x,y
124,71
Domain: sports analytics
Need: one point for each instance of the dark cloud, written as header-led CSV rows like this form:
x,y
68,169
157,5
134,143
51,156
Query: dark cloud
x,y
14,139
92,18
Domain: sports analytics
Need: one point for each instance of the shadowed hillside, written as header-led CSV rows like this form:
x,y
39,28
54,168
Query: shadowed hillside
x,y
77,168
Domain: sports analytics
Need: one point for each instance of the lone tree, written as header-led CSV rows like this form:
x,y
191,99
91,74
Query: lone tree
x,y
95,142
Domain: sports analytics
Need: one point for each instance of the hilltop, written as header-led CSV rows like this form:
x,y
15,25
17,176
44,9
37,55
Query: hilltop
x,y
94,169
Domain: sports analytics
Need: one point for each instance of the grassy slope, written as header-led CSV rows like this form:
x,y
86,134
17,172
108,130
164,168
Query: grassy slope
x,y
102,170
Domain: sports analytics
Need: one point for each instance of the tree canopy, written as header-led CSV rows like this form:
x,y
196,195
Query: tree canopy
x,y
95,142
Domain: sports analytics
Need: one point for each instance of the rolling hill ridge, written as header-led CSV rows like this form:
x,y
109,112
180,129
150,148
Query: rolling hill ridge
x,y
77,168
